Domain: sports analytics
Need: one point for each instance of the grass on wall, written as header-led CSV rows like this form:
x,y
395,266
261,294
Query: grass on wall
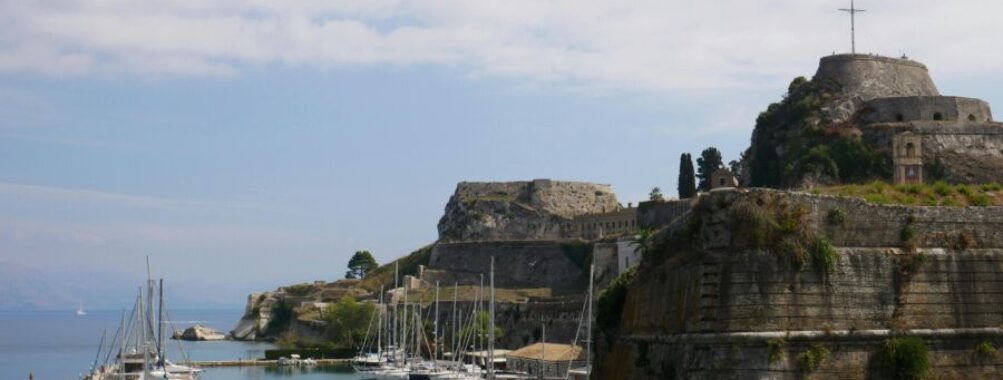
x,y
936,194
902,358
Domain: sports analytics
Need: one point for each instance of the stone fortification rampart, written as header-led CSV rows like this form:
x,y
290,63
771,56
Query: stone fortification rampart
x,y
686,312
654,214
867,77
925,108
518,264
539,209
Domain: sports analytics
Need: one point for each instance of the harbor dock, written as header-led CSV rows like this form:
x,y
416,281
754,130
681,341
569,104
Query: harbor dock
x,y
258,362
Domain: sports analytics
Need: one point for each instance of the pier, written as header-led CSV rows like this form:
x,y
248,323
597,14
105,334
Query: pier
x,y
259,362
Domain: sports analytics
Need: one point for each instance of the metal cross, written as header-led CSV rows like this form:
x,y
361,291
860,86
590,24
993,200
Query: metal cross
x,y
853,28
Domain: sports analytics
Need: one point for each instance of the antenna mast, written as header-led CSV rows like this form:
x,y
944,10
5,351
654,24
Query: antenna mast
x,y
853,10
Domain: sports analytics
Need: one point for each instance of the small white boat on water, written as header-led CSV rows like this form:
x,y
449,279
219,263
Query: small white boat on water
x,y
80,309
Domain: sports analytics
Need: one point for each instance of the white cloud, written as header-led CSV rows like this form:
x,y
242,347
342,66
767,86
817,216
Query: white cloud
x,y
75,195
648,45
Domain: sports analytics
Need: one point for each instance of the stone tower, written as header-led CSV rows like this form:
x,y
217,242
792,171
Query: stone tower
x,y
907,152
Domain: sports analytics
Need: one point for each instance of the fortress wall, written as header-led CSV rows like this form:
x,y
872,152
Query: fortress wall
x,y
518,264
749,358
879,226
869,77
708,314
656,214
950,108
521,323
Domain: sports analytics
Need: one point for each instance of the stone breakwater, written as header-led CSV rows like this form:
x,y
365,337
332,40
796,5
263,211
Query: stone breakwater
x,y
712,311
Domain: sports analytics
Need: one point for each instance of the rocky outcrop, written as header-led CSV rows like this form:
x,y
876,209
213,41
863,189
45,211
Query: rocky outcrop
x,y
536,210
200,333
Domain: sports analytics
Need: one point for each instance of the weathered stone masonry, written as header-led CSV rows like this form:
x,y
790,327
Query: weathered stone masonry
x,y
710,315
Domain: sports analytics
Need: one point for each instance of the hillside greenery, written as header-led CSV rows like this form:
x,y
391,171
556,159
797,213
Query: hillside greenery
x,y
935,194
793,142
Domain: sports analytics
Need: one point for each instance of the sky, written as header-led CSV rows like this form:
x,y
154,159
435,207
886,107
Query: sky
x,y
243,145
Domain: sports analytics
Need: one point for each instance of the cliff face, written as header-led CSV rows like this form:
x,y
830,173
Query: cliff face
x,y
745,289
536,210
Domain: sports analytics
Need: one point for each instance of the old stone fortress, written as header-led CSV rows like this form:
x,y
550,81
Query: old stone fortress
x,y
712,293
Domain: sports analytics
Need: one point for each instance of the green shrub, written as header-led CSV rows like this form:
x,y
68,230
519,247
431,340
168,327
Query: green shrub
x,y
992,186
823,255
610,303
908,233
811,359
963,189
836,217
981,200
903,358
777,348
942,188
985,350
880,199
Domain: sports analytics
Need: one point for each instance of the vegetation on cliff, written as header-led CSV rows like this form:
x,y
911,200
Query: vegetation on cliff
x,y
795,142
903,358
766,222
407,265
937,194
361,263
609,304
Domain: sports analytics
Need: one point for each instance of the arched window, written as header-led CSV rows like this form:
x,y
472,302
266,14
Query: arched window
x,y
938,116
899,117
971,117
910,150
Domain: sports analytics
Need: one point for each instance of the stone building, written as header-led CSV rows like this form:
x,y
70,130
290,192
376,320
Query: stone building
x,y
613,259
722,178
546,360
621,221
907,153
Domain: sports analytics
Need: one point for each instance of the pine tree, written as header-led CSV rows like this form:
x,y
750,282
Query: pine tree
x,y
686,184
709,161
360,264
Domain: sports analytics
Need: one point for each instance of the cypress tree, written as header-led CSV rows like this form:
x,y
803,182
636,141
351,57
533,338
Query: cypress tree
x,y
686,184
709,161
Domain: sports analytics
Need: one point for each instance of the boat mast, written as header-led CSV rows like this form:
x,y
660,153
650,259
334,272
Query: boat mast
x,y
588,334
491,328
396,318
456,355
148,321
160,326
435,326
379,328
543,347
121,348
144,338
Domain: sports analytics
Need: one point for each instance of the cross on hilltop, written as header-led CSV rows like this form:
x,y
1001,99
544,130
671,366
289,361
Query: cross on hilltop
x,y
853,10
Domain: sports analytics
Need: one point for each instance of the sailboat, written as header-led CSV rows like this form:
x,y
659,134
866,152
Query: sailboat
x,y
80,309
137,352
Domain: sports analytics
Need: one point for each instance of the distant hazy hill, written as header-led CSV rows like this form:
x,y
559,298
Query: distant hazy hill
x,y
22,288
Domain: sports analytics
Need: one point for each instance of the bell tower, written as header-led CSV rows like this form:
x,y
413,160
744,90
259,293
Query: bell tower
x,y
907,153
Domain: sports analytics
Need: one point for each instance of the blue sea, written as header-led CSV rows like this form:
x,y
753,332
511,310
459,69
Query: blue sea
x,y
62,345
